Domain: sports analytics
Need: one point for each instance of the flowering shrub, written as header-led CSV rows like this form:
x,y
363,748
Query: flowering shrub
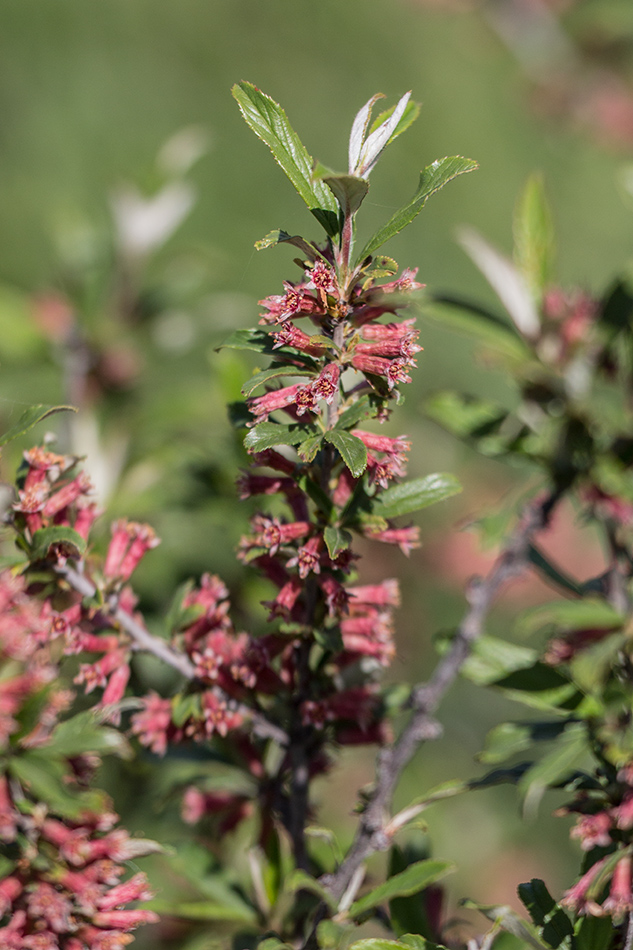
x,y
273,709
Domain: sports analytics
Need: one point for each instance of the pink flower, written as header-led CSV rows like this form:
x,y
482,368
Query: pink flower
x,y
307,558
153,723
130,542
620,899
593,830
406,538
290,335
262,406
385,594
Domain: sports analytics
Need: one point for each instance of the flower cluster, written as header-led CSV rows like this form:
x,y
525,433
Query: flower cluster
x,y
62,870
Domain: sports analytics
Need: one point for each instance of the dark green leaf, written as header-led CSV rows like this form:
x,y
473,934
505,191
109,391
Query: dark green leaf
x,y
415,878
493,658
29,418
432,178
418,493
268,434
307,450
534,235
551,572
62,539
594,933
272,373
270,123
554,924
281,237
572,746
337,540
351,449
353,415
348,190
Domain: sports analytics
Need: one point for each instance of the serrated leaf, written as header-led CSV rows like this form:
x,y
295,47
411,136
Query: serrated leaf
x,y
379,138
307,450
418,493
408,117
354,413
504,278
65,540
336,540
359,130
415,878
269,122
268,434
432,178
534,235
29,418
554,924
273,372
279,236
352,450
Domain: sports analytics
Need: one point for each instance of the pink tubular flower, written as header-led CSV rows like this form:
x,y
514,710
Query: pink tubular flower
x,y
81,485
262,406
393,370
153,723
294,303
325,385
290,335
620,899
593,830
576,897
130,542
385,594
272,534
383,443
386,332
406,538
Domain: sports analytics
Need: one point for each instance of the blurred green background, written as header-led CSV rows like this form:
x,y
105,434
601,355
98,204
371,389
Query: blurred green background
x,y
90,90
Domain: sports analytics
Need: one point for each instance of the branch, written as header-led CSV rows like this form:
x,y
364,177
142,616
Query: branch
x,y
374,832
143,640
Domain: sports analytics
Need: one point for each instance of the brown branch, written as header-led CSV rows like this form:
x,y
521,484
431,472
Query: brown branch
x,y
373,832
144,640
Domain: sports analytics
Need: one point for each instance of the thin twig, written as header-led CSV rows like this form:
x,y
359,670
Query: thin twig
x,y
179,661
373,832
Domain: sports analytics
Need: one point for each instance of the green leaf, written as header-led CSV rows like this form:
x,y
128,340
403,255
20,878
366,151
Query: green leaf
x,y
569,615
301,881
432,178
493,658
506,281
84,733
408,117
307,450
509,738
45,777
351,449
282,237
469,417
29,418
594,933
269,122
337,540
203,910
65,540
555,926
415,878
570,749
268,434
551,572
467,317
354,413
349,190
184,708
379,943
510,921
418,493
272,373
534,235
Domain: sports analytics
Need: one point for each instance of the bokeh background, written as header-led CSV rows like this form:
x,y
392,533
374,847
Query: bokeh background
x,y
125,261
